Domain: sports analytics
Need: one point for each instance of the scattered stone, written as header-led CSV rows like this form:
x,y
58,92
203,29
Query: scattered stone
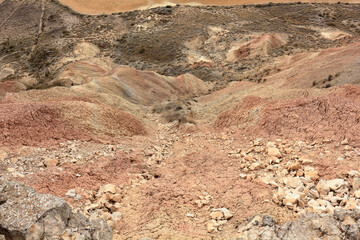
x,y
77,197
242,175
357,193
116,197
335,184
255,166
3,155
353,173
308,226
51,162
226,212
322,187
349,220
306,160
71,193
108,188
17,175
216,215
116,216
312,175
210,227
356,184
291,198
293,182
273,152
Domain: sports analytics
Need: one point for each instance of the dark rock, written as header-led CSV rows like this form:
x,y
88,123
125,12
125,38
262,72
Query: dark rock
x,y
268,221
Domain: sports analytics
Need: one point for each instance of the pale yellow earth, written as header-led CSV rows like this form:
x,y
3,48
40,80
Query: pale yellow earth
x,y
95,7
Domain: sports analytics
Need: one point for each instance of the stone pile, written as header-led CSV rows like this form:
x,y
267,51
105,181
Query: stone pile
x,y
343,224
104,204
296,183
219,217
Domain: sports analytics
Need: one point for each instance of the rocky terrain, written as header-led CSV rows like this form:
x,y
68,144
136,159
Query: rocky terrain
x,y
180,122
97,7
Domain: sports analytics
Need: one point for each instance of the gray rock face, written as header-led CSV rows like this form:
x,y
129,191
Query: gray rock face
x,y
26,214
344,224
312,226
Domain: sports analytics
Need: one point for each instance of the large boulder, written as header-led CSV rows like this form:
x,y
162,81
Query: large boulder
x,y
26,214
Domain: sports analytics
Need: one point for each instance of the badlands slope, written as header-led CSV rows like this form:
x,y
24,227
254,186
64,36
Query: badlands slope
x,y
96,7
183,122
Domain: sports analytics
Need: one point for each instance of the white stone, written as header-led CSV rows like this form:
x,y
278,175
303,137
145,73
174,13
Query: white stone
x,y
273,152
335,184
3,155
353,173
226,212
116,216
108,188
293,182
356,184
71,193
322,187
242,175
216,215
357,193
306,161
77,197
291,198
345,142
330,209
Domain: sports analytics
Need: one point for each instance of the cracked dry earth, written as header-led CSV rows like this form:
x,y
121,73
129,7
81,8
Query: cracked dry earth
x,y
247,126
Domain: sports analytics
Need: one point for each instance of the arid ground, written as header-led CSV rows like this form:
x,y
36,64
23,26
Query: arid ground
x,y
187,122
96,7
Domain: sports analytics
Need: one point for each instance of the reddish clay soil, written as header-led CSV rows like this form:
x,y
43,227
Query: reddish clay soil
x,y
332,66
10,86
178,147
167,191
54,121
335,115
260,45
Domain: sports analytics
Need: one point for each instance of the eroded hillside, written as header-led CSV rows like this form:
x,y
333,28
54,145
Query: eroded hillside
x,y
180,122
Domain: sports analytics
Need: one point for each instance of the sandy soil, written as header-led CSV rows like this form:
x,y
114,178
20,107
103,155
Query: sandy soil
x,y
96,7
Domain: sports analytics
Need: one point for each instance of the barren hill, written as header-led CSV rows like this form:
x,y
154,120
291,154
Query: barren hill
x,y
97,7
180,122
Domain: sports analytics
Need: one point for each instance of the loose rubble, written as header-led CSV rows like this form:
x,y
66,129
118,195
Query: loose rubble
x,y
219,217
343,224
296,183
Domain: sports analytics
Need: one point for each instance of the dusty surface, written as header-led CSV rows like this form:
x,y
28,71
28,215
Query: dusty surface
x,y
96,7
250,111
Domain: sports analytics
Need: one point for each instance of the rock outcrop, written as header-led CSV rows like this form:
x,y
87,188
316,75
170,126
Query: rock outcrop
x,y
343,224
26,214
